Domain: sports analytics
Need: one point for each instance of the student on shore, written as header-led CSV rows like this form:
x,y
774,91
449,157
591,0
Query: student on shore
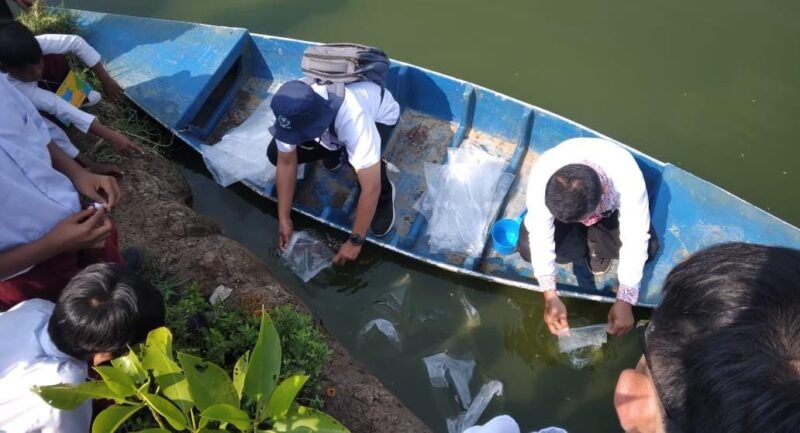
x,y
587,204
45,236
304,131
37,65
102,311
721,353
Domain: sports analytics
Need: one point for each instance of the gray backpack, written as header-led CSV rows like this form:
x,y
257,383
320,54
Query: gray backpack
x,y
338,64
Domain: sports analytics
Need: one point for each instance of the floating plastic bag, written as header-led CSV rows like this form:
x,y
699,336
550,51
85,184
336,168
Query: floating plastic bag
x,y
470,417
552,430
307,255
578,338
583,344
462,199
384,326
441,366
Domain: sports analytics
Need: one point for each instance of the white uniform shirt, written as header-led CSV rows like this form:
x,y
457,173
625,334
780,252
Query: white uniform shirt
x,y
634,208
355,123
29,358
34,196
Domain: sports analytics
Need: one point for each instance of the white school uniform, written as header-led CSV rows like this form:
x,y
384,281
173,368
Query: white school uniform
x,y
34,196
29,358
355,123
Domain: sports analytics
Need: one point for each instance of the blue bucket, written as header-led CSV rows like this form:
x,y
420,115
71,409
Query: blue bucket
x,y
505,234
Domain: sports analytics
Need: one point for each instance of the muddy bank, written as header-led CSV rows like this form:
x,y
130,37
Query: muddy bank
x,y
155,214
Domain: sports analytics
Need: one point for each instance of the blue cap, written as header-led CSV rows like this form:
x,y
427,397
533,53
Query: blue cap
x,y
300,113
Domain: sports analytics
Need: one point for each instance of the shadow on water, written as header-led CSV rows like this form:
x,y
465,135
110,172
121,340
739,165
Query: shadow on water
x,y
498,327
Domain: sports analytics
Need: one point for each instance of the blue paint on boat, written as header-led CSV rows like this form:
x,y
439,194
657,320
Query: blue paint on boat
x,y
198,80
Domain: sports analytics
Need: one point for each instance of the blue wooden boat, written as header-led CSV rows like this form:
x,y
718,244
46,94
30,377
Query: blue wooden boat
x,y
199,80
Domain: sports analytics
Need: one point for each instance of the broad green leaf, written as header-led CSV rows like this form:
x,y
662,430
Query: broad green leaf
x,y
153,430
284,395
228,414
307,420
174,417
131,365
265,362
208,383
109,420
160,337
116,379
211,430
169,376
69,397
239,373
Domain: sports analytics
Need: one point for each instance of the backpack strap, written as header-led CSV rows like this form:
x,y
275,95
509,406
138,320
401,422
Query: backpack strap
x,y
336,98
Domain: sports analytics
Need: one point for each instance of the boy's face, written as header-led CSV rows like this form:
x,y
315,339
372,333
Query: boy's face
x,y
27,73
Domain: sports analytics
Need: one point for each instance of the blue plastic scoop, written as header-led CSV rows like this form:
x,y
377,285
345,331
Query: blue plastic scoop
x,y
505,234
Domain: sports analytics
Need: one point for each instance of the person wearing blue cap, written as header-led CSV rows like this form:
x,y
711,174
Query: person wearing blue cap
x,y
308,128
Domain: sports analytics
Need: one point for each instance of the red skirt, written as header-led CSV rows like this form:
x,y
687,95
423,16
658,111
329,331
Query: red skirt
x,y
48,278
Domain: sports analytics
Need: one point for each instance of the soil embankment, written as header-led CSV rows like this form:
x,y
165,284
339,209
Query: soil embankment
x,y
155,214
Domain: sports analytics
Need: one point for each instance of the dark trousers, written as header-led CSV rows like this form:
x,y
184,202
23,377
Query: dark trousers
x,y
575,241
313,151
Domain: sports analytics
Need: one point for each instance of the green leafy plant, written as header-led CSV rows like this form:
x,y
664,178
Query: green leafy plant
x,y
192,394
42,19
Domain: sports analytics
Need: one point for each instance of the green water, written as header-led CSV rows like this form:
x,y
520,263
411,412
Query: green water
x,y
713,87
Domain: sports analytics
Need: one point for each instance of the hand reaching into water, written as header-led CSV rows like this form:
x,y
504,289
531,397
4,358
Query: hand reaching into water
x,y
555,313
285,230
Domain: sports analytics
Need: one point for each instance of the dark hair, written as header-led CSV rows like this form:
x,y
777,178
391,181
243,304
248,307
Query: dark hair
x,y
725,344
104,308
18,45
573,192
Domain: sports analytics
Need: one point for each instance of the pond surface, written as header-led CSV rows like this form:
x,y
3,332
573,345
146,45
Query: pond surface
x,y
713,87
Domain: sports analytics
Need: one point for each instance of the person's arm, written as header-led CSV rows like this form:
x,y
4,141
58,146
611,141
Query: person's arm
x,y
54,105
76,45
119,142
369,179
285,178
103,189
78,231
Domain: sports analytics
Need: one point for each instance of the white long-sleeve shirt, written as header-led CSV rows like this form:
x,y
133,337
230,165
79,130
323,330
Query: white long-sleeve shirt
x,y
49,102
634,208
34,196
29,358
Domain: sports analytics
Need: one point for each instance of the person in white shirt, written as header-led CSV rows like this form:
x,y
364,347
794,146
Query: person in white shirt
x,y
101,312
37,65
45,237
307,129
587,204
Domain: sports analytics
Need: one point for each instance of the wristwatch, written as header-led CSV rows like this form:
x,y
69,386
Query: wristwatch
x,y
356,240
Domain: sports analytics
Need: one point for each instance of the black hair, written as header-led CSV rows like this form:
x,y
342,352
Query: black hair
x,y
105,308
18,45
573,192
725,344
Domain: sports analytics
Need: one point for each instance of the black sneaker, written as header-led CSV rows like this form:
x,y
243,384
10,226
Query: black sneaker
x,y
332,163
598,265
383,221
134,258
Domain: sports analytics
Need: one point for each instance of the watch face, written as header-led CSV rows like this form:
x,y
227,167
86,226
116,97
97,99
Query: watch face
x,y
356,240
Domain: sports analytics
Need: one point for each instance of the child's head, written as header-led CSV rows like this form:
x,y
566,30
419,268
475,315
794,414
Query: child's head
x,y
103,310
20,53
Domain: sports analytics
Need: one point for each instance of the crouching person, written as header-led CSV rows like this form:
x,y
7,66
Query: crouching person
x,y
307,128
103,310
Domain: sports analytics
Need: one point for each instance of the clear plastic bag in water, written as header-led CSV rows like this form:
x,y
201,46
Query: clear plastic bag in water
x,y
552,430
462,199
468,419
242,151
459,371
384,326
587,336
306,255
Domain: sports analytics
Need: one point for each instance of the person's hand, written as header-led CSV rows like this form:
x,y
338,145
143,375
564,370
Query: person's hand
x,y
112,88
83,230
348,252
25,4
555,313
104,169
122,144
102,189
285,230
620,318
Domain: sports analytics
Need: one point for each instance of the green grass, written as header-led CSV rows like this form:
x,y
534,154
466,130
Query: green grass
x,y
43,19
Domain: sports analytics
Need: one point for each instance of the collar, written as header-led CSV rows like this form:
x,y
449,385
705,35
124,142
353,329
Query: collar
x,y
48,347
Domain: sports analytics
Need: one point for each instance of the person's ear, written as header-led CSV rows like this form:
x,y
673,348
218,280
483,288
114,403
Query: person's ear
x,y
637,403
101,358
